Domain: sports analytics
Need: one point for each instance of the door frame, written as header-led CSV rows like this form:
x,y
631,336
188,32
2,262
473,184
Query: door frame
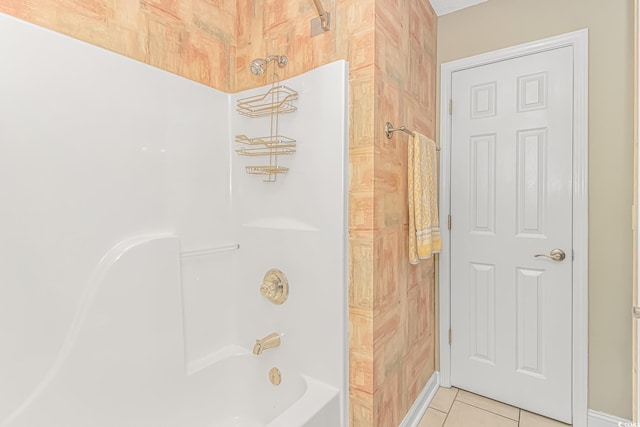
x,y
578,40
635,330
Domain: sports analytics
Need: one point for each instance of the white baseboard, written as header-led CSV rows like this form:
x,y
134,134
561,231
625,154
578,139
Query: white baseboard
x,y
422,402
598,419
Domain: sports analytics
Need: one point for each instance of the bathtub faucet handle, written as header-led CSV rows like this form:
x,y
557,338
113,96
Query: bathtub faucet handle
x,y
275,286
270,341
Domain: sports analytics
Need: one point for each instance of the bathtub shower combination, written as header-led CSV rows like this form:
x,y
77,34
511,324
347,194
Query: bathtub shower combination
x,y
149,277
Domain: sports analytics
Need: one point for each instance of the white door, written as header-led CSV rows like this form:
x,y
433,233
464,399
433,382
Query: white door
x,y
511,189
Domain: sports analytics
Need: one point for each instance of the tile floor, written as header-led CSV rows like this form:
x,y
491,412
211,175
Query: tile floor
x,y
458,408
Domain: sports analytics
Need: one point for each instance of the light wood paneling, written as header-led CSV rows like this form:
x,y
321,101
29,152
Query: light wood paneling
x,y
194,39
404,308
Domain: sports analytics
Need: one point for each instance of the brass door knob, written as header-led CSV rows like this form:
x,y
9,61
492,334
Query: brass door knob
x,y
555,254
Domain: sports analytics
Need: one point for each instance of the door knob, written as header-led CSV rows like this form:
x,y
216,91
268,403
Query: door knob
x,y
555,254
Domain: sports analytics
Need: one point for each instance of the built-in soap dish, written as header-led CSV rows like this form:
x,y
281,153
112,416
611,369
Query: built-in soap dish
x,y
275,286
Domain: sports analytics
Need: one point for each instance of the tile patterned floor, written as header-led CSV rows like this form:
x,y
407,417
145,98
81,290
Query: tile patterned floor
x,y
458,408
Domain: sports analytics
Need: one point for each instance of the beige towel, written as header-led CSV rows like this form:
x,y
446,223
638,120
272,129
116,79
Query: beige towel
x,y
424,233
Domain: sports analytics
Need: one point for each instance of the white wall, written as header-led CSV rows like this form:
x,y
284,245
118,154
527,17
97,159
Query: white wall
x,y
97,149
298,225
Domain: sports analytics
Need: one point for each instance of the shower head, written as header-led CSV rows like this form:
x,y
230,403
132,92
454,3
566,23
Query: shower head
x,y
259,65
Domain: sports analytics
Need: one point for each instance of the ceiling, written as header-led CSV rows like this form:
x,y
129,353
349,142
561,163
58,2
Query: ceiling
x,y
442,7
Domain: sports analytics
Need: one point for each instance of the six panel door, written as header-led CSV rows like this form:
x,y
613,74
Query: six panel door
x,y
511,199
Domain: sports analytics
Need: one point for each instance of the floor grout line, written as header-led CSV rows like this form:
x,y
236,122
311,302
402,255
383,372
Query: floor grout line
x,y
455,399
455,396
447,416
491,412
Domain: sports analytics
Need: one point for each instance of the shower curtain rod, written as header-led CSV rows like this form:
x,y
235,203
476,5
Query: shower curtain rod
x,y
324,15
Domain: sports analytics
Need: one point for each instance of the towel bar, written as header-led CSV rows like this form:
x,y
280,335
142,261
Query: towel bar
x,y
389,130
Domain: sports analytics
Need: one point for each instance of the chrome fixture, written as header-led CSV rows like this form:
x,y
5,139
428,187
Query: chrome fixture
x,y
275,286
556,255
270,341
322,23
258,66
389,130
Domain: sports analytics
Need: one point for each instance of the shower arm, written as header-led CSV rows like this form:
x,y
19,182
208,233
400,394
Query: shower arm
x,y
324,15
281,60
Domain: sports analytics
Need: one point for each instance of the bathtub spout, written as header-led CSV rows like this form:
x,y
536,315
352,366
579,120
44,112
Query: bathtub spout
x,y
270,341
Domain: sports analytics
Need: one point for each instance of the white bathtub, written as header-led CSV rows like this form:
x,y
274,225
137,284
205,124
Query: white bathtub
x,y
122,362
238,393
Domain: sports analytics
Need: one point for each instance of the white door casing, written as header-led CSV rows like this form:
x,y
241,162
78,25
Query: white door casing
x,y
511,171
636,223
533,271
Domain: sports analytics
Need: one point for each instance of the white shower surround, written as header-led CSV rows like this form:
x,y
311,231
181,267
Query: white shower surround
x,y
114,176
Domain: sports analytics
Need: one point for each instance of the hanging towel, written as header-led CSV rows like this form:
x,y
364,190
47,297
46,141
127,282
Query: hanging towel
x,y
424,232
